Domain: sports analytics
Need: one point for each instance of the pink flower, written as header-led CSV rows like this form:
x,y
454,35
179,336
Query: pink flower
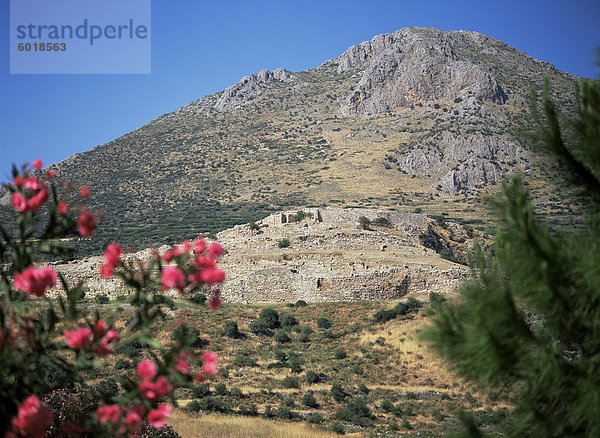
x,y
100,327
103,347
146,370
182,365
108,413
147,390
78,338
186,245
215,251
85,192
202,262
199,245
37,164
173,277
158,417
35,281
35,203
113,254
178,251
212,276
32,418
18,202
168,256
209,362
215,302
32,183
18,181
163,387
62,207
51,174
106,271
86,223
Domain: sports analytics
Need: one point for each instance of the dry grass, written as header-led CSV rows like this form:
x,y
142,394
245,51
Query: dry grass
x,y
225,426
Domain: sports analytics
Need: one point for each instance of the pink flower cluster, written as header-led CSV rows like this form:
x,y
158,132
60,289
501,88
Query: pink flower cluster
x,y
35,281
127,421
31,421
112,257
81,337
149,387
204,270
31,197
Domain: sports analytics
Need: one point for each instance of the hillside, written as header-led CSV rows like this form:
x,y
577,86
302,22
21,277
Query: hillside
x,y
418,120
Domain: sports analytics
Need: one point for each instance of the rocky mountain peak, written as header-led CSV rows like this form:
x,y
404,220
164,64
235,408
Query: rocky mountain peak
x,y
414,65
243,92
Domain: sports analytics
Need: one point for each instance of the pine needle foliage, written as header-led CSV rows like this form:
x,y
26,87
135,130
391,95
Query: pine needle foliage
x,y
527,323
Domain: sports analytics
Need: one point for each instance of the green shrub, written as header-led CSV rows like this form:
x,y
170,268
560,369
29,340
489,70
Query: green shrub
x,y
357,369
299,216
323,323
270,317
338,428
315,418
201,391
213,404
221,389
198,298
236,393
259,327
123,364
254,226
102,299
244,359
107,388
283,243
288,321
338,393
363,389
249,411
301,303
382,222
356,412
309,400
290,382
312,377
295,363
282,337
364,223
339,353
304,335
284,413
231,330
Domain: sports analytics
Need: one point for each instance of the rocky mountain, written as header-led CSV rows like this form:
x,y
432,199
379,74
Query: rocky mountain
x,y
417,120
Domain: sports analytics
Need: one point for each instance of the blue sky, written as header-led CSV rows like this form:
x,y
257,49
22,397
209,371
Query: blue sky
x,y
199,48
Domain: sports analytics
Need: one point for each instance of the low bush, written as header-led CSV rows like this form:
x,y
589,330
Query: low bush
x,y
288,321
231,330
309,400
290,382
323,323
284,243
356,412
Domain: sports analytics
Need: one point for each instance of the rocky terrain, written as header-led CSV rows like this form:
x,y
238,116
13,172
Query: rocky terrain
x,y
416,120
329,258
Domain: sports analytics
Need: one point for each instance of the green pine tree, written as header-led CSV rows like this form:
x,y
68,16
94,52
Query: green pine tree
x,y
527,324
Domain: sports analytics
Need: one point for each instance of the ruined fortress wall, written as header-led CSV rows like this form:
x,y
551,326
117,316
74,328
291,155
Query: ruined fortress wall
x,y
284,285
348,216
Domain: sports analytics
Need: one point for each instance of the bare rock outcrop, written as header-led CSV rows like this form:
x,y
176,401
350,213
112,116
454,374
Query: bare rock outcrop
x,y
249,87
414,65
477,159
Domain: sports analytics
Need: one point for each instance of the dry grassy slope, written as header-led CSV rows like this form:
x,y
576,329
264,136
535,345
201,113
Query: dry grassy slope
x,y
198,169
